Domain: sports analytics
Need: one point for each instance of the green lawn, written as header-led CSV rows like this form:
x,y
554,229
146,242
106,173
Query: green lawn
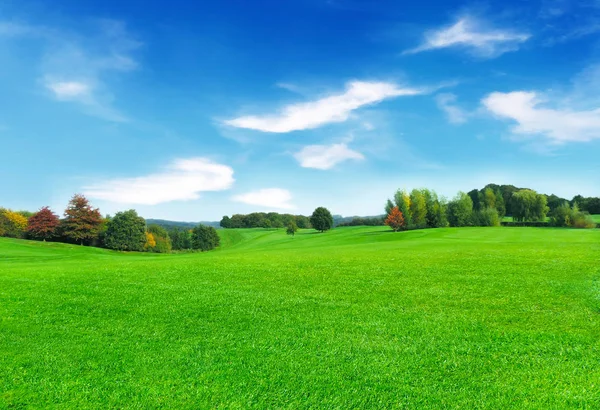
x,y
596,218
494,318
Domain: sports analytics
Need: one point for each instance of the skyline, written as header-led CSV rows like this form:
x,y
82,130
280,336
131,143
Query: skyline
x,y
191,112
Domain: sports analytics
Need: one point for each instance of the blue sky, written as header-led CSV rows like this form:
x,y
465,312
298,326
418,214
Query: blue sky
x,y
195,110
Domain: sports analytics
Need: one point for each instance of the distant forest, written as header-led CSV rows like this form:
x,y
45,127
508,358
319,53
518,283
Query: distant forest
x,y
590,205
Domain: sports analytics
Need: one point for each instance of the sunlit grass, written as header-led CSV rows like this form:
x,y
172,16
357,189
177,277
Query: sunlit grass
x,y
352,318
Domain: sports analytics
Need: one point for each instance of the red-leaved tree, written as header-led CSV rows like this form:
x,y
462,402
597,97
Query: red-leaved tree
x,y
43,224
395,219
82,222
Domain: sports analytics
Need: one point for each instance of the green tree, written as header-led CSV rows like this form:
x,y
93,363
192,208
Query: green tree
x,y
275,219
389,205
161,238
205,238
500,205
418,209
303,222
489,198
126,231
180,239
225,222
292,228
460,210
321,219
82,222
402,201
528,205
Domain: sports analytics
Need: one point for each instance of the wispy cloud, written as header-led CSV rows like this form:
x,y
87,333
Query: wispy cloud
x,y
534,118
182,180
74,66
331,109
68,90
474,36
446,103
270,198
326,156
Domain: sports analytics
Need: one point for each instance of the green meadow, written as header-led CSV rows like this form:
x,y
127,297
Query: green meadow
x,y
498,318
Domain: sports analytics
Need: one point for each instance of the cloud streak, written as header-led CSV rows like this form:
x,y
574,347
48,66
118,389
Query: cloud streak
x,y
270,198
331,109
474,36
558,125
326,156
455,114
75,66
182,180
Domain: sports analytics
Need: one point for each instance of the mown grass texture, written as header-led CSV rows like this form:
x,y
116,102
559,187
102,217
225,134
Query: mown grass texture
x,y
352,318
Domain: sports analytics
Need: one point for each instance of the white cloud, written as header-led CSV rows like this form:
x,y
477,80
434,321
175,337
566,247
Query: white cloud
x,y
331,109
182,180
270,197
326,156
473,35
68,90
558,125
455,114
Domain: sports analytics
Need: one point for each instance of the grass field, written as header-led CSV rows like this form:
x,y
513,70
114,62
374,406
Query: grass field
x,y
596,218
361,317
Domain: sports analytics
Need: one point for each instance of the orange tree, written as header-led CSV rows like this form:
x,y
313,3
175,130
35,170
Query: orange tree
x,y
395,219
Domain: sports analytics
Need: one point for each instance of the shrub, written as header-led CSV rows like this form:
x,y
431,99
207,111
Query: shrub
x,y
12,224
486,217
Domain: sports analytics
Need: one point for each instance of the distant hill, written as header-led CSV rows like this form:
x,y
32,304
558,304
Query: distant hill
x,y
182,225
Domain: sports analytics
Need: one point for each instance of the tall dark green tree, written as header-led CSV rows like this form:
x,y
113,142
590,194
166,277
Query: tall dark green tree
x,y
225,222
321,219
205,238
126,231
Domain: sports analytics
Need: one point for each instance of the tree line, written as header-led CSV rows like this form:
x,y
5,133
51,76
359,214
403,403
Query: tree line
x,y
422,208
264,220
84,225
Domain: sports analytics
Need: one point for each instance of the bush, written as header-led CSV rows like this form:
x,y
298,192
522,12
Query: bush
x,y
534,224
205,238
12,224
566,216
486,217
582,220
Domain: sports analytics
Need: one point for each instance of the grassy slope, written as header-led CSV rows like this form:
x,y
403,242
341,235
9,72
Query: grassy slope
x,y
356,317
596,218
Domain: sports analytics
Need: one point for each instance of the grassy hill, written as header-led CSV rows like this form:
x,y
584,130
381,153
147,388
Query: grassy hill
x,y
352,318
